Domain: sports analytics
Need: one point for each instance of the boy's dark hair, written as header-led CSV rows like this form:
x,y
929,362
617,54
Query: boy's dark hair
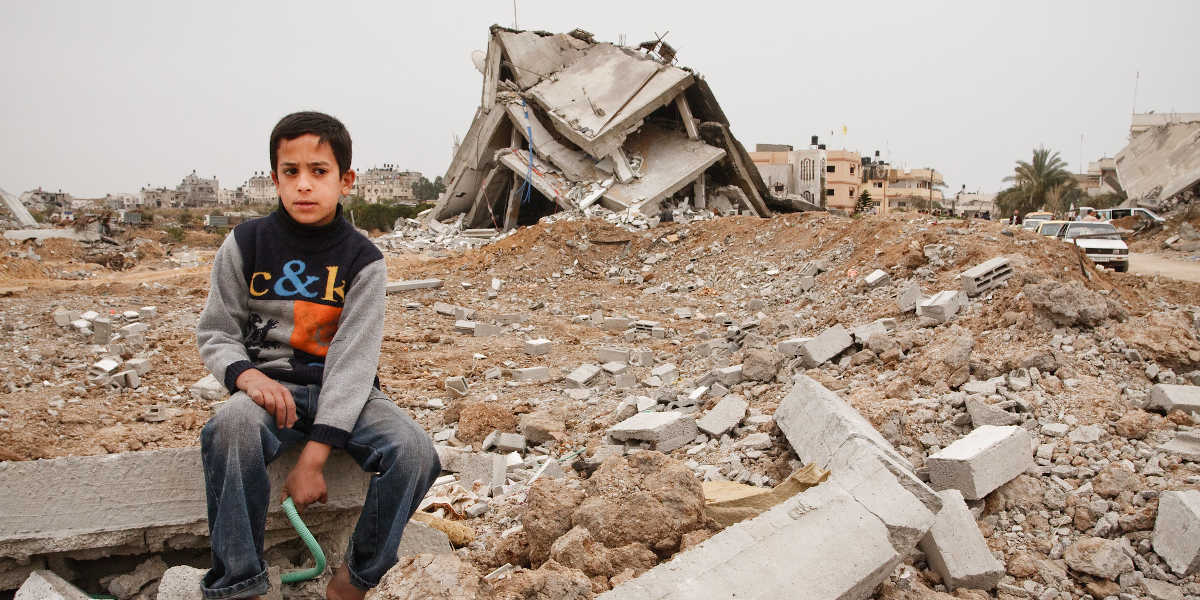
x,y
328,129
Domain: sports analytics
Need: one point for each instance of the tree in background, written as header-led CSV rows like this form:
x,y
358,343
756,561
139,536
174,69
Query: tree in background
x,y
1043,183
424,190
864,203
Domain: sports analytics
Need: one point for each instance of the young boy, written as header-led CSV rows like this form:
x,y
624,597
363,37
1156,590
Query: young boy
x,y
293,326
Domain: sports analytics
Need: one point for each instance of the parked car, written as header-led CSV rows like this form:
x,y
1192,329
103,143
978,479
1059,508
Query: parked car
x,y
1050,228
1100,241
1031,223
1109,214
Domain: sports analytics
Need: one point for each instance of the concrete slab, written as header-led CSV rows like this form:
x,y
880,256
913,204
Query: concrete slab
x,y
43,513
981,461
18,210
394,287
537,55
956,550
1160,162
817,422
676,162
623,85
1176,530
583,375
779,554
420,538
942,306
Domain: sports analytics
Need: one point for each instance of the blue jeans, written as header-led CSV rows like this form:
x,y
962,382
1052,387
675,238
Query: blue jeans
x,y
241,438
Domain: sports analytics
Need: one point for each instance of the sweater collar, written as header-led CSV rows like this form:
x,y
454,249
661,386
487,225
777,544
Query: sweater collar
x,y
328,230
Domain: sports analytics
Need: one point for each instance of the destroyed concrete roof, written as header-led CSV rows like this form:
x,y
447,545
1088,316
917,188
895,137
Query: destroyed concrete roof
x,y
17,209
586,122
1160,162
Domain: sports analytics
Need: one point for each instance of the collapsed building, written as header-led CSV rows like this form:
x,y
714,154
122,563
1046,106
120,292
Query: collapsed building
x,y
566,123
1160,166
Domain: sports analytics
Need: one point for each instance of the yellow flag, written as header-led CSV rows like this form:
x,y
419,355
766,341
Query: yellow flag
x,y
843,130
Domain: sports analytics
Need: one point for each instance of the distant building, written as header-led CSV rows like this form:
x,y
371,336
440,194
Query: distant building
x,y
41,200
259,189
788,171
197,191
386,183
1101,178
159,197
976,205
843,179
227,197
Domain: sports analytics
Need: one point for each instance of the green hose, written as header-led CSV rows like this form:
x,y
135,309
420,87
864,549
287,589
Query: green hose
x,y
289,509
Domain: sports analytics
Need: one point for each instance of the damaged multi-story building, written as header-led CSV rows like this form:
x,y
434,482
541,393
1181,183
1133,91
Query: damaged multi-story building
x,y
1161,163
566,122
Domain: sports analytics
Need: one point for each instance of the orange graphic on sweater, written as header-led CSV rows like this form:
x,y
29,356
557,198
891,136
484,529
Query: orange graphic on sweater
x,y
314,326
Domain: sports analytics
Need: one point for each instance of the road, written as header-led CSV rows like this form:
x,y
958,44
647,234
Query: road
x,y
1153,264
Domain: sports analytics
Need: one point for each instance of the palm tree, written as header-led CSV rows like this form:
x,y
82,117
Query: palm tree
x,y
1041,183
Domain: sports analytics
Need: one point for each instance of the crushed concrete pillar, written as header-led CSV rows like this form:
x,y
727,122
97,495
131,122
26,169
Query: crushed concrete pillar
x,y
784,552
830,343
1175,529
45,585
817,422
666,431
981,461
956,550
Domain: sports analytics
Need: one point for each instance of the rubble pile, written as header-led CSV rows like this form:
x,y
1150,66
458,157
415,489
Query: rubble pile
x,y
968,408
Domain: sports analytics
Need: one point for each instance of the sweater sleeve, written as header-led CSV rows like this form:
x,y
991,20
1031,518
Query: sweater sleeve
x,y
353,357
219,332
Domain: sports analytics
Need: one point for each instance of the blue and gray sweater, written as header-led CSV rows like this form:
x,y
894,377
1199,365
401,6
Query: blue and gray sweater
x,y
302,304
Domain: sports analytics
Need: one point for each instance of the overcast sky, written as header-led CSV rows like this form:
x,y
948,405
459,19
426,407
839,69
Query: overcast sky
x,y
110,96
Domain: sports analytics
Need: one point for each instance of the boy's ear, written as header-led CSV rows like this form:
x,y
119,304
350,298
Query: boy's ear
x,y
275,179
347,181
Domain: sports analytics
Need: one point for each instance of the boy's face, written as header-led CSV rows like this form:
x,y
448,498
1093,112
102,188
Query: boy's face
x,y
307,180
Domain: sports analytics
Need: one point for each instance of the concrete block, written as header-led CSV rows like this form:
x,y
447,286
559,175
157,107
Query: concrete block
x,y
510,442
139,365
726,415
43,513
538,347
791,347
667,373
606,354
862,333
45,585
511,318
642,358
955,547
63,317
614,368
530,374
616,323
909,297
877,278
985,276
102,330
463,326
666,431
104,366
830,343
729,376
942,306
981,461
487,330
486,467
148,312
420,538
625,381
1186,444
1168,397
778,554
817,422
806,282
1177,530
394,287
582,375
890,490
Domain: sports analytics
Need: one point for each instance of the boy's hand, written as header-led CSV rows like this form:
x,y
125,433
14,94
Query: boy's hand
x,y
306,483
269,394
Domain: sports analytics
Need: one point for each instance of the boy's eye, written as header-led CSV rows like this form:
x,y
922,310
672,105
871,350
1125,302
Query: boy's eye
x,y
320,171
290,171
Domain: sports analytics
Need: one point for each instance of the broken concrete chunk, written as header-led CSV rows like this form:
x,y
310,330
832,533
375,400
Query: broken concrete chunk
x,y
538,347
45,585
729,376
457,385
942,306
726,415
666,431
955,547
666,373
909,297
982,461
825,346
1175,531
1169,397
877,278
983,413
531,374
863,333
412,284
208,388
606,354
420,538
783,568
583,375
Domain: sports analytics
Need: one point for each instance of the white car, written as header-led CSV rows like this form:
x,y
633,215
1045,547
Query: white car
x,y
1100,241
